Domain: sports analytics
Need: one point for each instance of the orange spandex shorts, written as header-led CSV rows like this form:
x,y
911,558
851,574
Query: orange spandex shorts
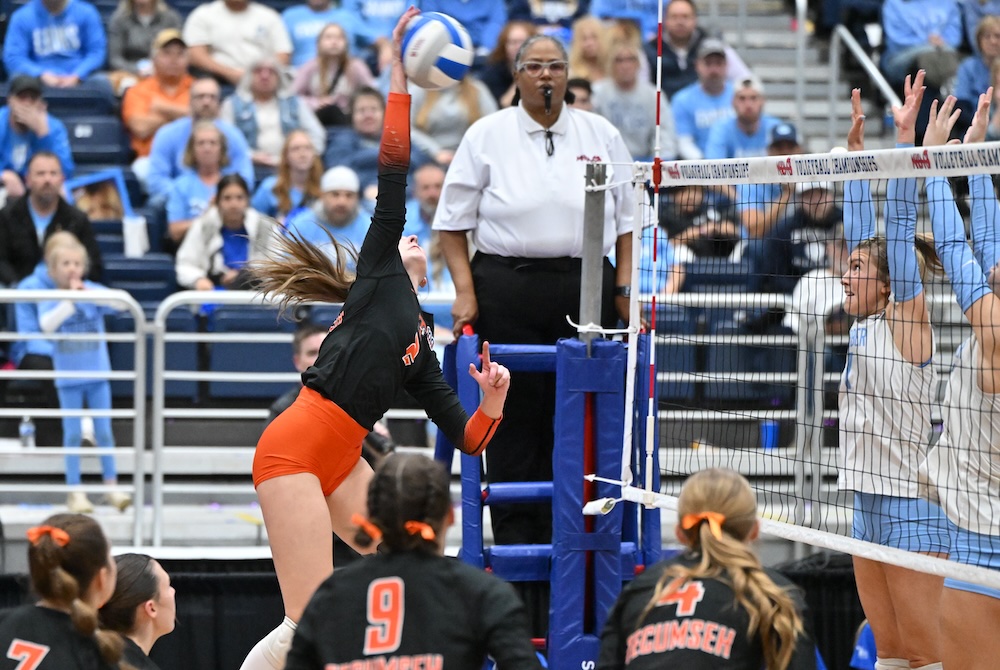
x,y
313,435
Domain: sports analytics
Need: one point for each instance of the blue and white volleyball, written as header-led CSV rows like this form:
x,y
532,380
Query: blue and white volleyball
x,y
437,51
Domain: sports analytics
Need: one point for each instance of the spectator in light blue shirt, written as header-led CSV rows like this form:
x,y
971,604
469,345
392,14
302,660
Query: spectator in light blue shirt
x,y
744,135
60,41
761,206
166,156
642,12
305,22
701,105
973,12
378,17
916,27
337,213
973,75
484,19
26,129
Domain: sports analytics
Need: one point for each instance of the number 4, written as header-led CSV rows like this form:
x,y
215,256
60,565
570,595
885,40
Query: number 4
x,y
687,597
29,654
385,616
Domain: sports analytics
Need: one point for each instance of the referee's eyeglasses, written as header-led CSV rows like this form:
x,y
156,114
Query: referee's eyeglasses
x,y
534,68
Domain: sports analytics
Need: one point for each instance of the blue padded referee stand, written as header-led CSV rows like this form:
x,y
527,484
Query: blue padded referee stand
x,y
590,557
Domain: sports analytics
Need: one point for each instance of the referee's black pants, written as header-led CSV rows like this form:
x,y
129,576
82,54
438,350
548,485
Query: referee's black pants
x,y
526,301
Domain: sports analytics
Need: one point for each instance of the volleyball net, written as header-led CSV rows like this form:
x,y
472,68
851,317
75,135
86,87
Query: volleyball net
x,y
746,340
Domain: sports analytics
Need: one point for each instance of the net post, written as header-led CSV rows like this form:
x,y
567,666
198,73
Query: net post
x,y
592,268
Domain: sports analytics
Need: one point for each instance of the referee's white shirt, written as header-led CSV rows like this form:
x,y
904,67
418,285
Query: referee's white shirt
x,y
522,203
885,414
965,465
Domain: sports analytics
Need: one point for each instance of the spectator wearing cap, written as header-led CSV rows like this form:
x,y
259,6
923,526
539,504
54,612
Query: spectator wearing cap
x,y
26,128
623,98
337,213
745,134
760,206
265,111
798,244
134,25
224,36
681,39
62,42
166,155
161,98
701,105
357,147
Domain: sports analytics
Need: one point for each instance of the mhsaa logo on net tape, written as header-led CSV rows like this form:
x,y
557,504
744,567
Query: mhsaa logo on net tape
x,y
785,167
921,161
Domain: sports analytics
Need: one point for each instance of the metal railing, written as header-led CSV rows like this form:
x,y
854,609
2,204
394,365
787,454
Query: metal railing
x,y
841,35
137,376
163,373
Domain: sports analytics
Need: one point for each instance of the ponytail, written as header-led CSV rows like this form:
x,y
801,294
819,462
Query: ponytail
x,y
297,270
724,555
64,556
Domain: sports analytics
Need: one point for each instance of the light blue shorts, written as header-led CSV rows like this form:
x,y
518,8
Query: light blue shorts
x,y
973,549
912,524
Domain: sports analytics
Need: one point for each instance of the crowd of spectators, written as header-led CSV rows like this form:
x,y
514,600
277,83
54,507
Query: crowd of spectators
x,y
289,98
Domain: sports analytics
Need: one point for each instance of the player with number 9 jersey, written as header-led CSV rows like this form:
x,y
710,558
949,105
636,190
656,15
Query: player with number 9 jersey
x,y
410,606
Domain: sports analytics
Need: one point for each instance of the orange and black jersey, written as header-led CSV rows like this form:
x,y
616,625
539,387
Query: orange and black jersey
x,y
40,638
382,343
699,627
412,610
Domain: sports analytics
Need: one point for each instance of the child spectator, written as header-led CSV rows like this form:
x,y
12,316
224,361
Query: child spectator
x,y
297,182
66,259
135,25
62,42
265,111
328,81
223,239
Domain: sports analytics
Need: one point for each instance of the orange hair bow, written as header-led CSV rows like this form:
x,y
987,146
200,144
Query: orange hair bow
x,y
58,535
714,519
373,532
414,527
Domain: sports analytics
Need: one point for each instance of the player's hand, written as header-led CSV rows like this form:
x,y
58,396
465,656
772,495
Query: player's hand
x,y
494,380
397,76
981,119
856,135
905,117
941,122
464,311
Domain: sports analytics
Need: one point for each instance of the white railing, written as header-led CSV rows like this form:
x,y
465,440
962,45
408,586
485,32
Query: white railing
x,y
137,413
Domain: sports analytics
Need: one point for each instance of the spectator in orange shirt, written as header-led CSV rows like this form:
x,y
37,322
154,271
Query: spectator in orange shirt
x,y
159,98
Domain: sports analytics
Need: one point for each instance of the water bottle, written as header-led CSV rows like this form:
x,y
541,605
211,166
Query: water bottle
x,y
27,433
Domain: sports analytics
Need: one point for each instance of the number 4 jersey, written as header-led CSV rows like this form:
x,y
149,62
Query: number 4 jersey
x,y
40,638
412,611
697,627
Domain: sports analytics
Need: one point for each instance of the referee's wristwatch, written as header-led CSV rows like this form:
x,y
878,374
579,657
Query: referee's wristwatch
x,y
623,291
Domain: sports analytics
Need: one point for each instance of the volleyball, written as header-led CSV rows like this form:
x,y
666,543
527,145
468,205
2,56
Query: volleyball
x,y
437,51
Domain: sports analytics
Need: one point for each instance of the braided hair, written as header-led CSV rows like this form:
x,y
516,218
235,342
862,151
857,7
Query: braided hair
x,y
63,560
408,495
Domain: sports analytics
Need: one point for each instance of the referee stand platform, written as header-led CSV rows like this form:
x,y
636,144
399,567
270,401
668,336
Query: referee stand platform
x,y
590,557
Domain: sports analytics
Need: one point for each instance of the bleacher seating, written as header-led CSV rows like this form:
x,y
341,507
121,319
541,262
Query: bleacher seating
x,y
675,355
149,279
240,356
711,275
98,139
180,355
